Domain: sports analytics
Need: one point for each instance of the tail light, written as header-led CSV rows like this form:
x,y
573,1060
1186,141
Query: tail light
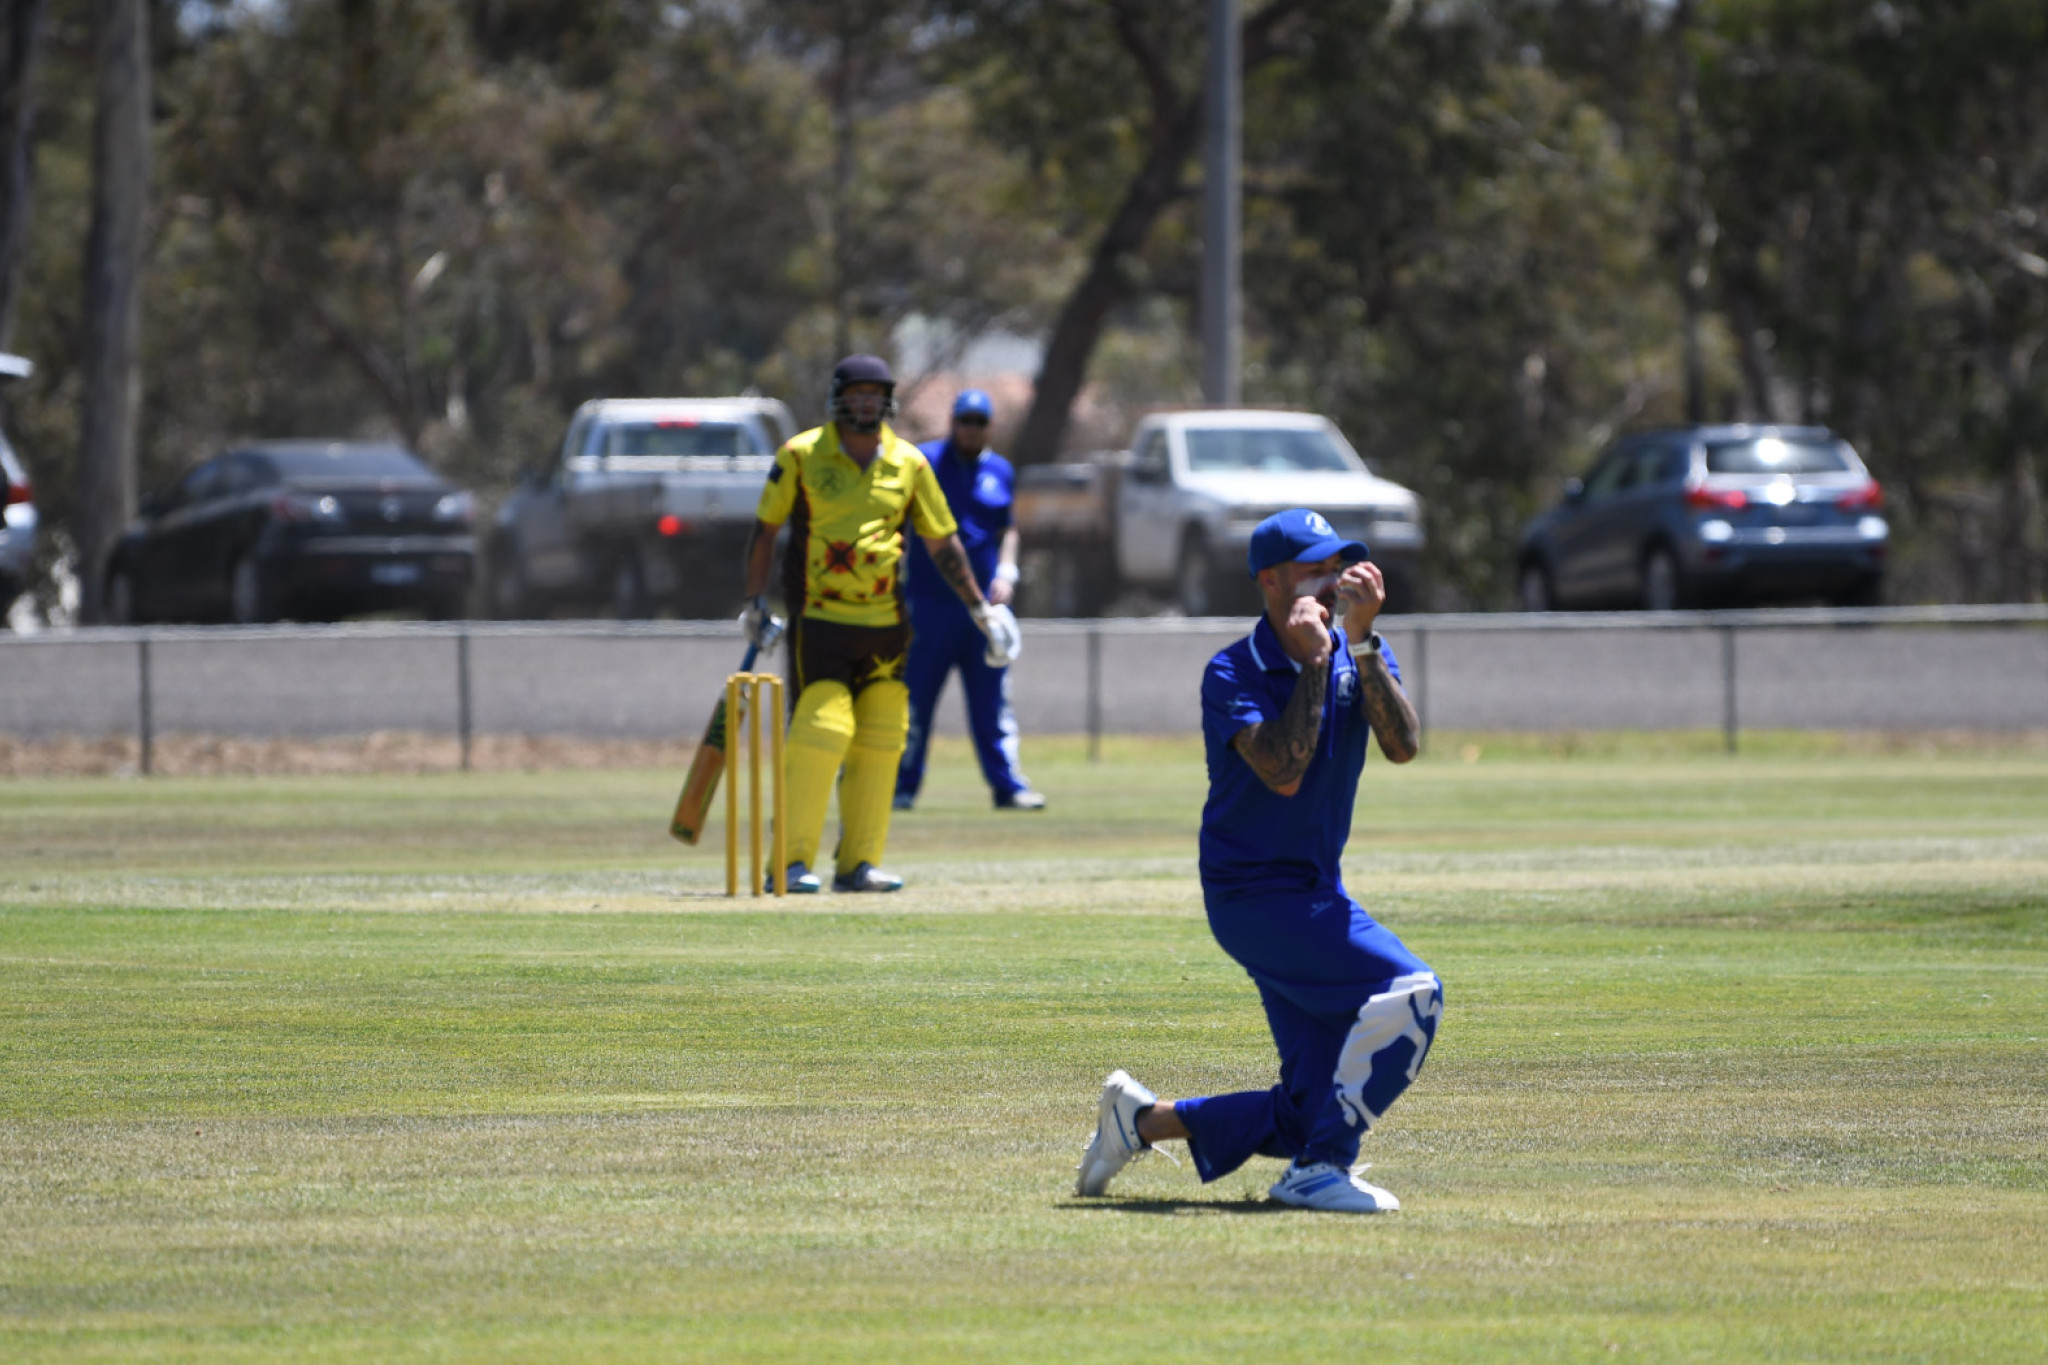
x,y
295,507
1868,498
1703,499
669,524
17,493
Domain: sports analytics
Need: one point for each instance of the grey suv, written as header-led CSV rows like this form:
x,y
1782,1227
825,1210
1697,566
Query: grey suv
x,y
1707,516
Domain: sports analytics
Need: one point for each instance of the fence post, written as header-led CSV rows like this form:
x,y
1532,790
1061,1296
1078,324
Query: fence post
x,y
462,694
145,720
1728,716
1094,693
1421,689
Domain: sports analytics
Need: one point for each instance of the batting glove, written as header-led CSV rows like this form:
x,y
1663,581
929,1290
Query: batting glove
x,y
1005,640
760,627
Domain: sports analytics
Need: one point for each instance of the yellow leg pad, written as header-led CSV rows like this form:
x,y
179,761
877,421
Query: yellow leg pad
x,y
882,721
818,735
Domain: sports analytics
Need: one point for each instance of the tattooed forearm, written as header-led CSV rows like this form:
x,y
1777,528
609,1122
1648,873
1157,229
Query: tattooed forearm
x,y
949,557
1388,710
1279,751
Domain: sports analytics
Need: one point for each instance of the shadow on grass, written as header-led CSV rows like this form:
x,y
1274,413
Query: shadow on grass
x,y
1115,1205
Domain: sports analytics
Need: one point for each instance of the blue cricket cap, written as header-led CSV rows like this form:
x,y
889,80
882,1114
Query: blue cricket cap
x,y
1302,536
974,403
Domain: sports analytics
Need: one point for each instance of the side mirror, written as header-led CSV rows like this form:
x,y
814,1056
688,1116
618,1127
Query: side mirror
x,y
1574,489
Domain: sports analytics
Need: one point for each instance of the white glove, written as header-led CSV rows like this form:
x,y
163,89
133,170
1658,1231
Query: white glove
x,y
1005,641
759,626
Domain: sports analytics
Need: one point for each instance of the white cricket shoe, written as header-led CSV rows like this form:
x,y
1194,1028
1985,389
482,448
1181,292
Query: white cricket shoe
x,y
1116,1142
1332,1189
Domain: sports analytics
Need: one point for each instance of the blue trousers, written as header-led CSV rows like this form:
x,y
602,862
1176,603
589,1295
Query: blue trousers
x,y
940,643
1353,1013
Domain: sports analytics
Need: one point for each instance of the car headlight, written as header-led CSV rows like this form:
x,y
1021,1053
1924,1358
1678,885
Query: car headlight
x,y
456,507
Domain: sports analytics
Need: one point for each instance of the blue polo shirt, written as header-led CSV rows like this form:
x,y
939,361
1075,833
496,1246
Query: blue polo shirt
x,y
981,494
1254,840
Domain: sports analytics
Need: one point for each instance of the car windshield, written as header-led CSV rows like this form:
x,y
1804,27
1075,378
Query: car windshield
x,y
348,462
679,436
1775,455
1279,450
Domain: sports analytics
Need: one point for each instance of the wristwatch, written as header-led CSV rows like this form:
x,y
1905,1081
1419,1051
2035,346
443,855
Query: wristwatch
x,y
1370,645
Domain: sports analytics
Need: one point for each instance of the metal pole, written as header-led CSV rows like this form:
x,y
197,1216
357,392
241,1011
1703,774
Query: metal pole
x,y
463,723
1421,688
145,705
1222,211
1728,722
1094,694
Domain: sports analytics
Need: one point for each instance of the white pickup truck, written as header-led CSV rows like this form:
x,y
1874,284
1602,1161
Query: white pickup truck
x,y
1174,514
647,505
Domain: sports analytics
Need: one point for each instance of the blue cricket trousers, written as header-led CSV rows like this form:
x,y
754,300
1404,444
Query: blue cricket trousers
x,y
941,641
1353,1013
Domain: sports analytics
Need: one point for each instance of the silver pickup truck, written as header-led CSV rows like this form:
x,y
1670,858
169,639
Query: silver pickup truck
x,y
646,507
1174,514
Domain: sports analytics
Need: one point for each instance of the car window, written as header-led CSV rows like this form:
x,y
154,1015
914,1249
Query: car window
x,y
349,462
200,485
1607,475
1775,455
680,436
572,444
1650,467
1278,450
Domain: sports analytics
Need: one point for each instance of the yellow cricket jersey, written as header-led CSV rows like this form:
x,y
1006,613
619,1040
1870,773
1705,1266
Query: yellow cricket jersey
x,y
851,521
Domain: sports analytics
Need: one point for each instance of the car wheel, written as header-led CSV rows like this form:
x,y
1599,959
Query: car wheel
x,y
629,589
248,597
1664,586
120,599
1195,583
507,584
1533,590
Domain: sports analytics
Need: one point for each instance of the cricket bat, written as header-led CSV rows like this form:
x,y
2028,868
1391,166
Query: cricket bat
x,y
693,806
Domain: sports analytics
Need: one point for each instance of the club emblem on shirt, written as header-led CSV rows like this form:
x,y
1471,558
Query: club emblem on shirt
x,y
1347,687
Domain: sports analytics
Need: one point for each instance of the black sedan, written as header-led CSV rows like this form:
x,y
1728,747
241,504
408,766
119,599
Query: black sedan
x,y
1710,516
307,529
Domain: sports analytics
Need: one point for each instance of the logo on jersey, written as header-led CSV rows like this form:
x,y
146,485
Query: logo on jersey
x,y
990,489
1347,687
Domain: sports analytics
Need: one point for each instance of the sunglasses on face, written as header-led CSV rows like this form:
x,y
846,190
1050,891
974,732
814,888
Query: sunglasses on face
x,y
970,421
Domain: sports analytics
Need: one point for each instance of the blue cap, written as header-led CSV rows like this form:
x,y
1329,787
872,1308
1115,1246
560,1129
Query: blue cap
x,y
1302,536
974,403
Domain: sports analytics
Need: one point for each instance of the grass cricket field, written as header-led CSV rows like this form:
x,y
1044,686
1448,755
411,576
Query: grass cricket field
x,y
1742,1060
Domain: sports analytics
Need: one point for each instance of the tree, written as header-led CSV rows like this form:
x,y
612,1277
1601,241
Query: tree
x,y
111,397
1115,84
21,44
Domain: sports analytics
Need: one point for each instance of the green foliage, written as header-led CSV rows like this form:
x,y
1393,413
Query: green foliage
x,y
453,220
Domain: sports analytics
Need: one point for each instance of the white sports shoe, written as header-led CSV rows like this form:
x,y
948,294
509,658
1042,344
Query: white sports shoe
x,y
1116,1143
1332,1189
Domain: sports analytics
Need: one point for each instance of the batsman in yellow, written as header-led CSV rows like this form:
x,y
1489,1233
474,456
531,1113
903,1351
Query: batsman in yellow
x,y
847,490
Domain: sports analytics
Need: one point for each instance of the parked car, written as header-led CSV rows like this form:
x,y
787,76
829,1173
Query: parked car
x,y
646,505
1717,515
308,529
1175,513
18,522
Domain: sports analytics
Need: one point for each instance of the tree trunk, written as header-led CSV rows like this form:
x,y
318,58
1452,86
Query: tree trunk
x,y
1692,224
111,399
23,39
1106,283
1176,131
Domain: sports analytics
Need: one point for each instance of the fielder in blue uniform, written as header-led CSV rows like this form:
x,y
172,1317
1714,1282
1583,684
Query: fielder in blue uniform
x,y
1285,713
978,484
